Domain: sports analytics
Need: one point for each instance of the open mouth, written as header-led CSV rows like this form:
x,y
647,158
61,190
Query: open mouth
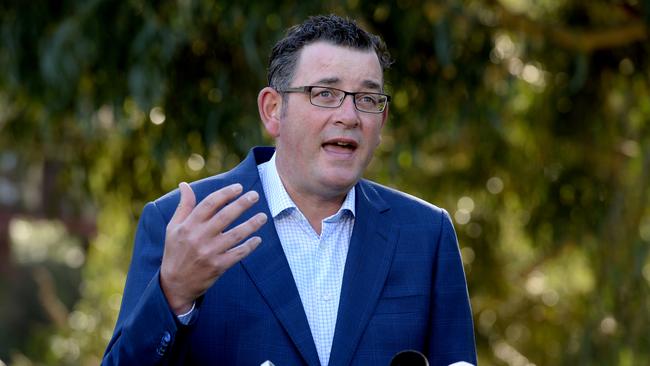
x,y
343,146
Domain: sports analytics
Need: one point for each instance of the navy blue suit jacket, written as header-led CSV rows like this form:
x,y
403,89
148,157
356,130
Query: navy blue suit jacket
x,y
403,288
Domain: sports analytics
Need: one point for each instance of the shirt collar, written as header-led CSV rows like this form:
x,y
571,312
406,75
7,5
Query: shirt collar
x,y
273,187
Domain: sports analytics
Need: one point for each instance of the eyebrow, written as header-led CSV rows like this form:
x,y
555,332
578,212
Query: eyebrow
x,y
332,81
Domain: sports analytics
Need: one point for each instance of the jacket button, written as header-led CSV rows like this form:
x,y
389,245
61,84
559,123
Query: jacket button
x,y
164,343
166,338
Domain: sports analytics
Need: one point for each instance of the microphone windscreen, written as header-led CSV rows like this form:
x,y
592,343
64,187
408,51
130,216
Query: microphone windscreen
x,y
409,358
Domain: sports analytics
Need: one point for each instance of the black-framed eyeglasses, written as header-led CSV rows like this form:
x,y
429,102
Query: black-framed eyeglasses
x,y
327,97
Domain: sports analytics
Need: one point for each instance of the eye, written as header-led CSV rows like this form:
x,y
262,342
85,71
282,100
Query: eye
x,y
368,99
324,93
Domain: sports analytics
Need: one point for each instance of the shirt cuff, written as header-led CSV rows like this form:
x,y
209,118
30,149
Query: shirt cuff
x,y
185,318
461,363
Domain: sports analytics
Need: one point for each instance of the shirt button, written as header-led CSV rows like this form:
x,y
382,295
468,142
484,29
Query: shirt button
x,y
326,297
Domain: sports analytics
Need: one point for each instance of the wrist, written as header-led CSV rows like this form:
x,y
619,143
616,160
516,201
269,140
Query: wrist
x,y
182,309
178,304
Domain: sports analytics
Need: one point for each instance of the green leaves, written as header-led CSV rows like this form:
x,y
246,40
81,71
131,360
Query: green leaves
x,y
537,115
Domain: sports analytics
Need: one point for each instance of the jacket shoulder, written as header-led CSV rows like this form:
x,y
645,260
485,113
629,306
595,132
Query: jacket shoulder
x,y
407,206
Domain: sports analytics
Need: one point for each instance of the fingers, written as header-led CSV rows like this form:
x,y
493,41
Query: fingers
x,y
222,219
186,204
214,201
234,255
234,236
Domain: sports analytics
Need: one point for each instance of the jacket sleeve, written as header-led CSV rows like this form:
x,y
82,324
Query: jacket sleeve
x,y
451,329
147,331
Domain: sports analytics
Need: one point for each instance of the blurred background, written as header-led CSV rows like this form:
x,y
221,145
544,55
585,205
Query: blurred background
x,y
529,121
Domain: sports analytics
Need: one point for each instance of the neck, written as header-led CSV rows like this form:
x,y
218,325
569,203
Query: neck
x,y
315,207
315,202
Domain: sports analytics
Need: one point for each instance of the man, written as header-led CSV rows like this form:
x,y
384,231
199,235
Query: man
x,y
348,272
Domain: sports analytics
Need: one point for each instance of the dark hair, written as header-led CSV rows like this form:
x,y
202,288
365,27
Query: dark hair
x,y
331,28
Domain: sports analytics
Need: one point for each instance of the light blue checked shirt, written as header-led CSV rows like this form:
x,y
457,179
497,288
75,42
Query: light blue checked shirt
x,y
316,262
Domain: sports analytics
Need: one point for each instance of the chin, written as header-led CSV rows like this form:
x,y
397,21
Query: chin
x,y
338,175
341,184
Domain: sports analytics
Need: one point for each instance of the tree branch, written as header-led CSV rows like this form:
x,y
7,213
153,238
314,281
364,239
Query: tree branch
x,y
583,40
580,40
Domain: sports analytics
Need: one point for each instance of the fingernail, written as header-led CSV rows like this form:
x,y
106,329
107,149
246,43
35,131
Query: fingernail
x,y
236,188
252,196
261,218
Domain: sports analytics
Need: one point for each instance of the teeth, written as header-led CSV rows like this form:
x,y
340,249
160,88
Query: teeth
x,y
342,143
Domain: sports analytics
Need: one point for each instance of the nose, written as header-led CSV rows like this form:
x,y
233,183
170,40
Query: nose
x,y
347,114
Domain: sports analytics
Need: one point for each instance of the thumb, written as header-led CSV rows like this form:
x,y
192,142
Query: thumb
x,y
186,204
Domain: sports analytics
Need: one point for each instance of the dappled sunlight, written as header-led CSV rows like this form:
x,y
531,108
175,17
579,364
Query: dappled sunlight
x,y
527,121
44,240
157,116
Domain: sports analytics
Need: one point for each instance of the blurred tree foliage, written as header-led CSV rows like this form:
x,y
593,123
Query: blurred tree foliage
x,y
528,120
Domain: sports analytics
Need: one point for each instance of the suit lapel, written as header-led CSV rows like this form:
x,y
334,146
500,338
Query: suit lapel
x,y
369,259
268,268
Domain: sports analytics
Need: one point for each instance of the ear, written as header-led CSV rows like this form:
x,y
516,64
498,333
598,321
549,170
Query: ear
x,y
269,104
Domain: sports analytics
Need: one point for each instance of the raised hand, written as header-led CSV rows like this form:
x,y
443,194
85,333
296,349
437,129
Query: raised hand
x,y
197,250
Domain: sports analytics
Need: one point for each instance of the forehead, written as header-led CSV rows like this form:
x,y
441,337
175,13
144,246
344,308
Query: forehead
x,y
323,62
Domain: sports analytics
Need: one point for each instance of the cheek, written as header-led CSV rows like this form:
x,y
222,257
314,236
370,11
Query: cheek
x,y
302,128
374,137
293,138
377,142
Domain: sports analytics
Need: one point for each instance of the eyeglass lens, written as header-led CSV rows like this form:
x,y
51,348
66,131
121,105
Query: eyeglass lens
x,y
332,98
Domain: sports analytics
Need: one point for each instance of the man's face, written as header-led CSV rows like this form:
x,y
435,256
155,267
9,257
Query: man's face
x,y
324,151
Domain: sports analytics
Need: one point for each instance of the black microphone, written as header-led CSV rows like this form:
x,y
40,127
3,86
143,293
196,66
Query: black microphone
x,y
409,358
